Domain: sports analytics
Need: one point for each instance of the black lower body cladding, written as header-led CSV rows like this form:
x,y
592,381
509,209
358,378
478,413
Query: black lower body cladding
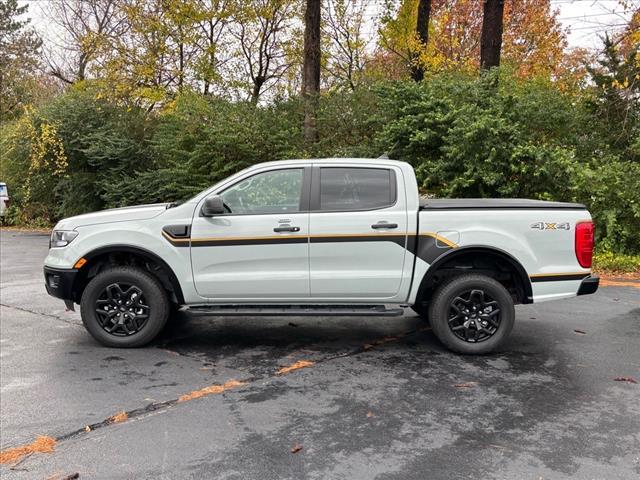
x,y
589,285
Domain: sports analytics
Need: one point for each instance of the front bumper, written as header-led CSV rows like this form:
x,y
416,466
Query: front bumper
x,y
59,283
589,285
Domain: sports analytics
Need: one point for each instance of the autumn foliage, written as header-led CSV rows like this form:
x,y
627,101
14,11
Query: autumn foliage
x,y
533,39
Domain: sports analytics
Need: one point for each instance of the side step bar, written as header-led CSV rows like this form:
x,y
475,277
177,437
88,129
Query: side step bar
x,y
294,310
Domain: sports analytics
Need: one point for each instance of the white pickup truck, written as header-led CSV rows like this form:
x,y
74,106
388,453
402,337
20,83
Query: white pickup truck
x,y
321,237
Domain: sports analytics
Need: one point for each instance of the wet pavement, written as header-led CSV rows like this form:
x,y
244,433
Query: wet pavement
x,y
354,398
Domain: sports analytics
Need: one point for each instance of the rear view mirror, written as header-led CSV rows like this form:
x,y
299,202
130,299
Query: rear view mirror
x,y
213,206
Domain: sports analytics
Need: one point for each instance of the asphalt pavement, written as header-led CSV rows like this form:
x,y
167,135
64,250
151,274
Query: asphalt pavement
x,y
317,398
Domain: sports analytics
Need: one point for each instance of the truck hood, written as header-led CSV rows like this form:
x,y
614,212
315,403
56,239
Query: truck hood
x,y
139,212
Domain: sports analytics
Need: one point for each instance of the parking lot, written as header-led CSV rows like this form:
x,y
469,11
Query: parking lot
x,y
318,398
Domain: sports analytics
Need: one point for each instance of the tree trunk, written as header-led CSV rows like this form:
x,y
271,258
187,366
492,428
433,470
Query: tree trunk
x,y
311,69
257,86
491,39
422,30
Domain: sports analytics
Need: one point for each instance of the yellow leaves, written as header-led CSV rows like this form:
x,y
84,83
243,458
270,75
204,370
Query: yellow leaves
x,y
620,85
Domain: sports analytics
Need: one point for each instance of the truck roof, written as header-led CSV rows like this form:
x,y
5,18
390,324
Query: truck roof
x,y
337,160
494,204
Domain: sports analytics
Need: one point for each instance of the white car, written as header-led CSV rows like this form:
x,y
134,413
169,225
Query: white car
x,y
321,237
4,199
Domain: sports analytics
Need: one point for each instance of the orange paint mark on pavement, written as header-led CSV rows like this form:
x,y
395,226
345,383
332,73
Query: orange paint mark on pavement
x,y
296,366
42,444
211,390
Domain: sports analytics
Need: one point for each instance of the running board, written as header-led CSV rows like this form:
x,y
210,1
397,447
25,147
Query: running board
x,y
295,310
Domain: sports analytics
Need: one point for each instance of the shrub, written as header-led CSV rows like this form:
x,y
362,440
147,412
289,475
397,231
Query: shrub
x,y
466,137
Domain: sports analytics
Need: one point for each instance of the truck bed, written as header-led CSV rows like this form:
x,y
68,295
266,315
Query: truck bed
x,y
495,204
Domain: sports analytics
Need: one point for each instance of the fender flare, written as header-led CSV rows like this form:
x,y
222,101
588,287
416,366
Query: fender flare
x,y
143,252
507,257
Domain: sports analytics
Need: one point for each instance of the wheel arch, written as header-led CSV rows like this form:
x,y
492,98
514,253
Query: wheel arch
x,y
96,258
459,258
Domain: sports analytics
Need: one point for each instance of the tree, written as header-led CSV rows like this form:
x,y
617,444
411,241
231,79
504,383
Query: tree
x,y
213,20
85,26
422,32
616,76
533,39
345,55
263,31
311,69
491,39
19,49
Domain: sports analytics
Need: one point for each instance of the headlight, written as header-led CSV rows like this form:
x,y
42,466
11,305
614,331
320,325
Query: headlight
x,y
62,238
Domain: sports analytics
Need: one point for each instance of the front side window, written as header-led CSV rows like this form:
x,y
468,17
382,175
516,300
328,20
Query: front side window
x,y
276,191
356,188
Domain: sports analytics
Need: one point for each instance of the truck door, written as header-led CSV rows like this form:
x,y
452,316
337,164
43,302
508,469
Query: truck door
x,y
259,248
358,231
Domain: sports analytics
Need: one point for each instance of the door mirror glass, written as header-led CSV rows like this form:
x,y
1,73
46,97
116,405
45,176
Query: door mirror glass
x,y
213,206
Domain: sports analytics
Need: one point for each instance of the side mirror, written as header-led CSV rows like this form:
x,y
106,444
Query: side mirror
x,y
213,206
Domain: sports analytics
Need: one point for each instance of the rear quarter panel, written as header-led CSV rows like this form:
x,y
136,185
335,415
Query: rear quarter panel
x,y
542,241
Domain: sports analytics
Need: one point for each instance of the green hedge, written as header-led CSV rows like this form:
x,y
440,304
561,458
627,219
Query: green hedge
x,y
466,137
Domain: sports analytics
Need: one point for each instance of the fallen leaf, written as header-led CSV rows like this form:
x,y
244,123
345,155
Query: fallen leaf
x,y
87,428
119,417
466,385
369,414
296,448
42,444
296,366
581,332
625,379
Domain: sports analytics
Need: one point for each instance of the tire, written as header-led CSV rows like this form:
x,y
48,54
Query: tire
x,y
489,316
142,318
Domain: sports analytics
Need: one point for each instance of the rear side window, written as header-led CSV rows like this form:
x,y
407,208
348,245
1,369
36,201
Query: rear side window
x,y
356,188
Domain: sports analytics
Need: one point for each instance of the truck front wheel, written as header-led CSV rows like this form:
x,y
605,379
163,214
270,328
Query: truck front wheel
x,y
472,314
124,307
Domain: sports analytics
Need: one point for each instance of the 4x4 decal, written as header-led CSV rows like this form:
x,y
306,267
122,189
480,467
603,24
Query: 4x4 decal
x,y
551,226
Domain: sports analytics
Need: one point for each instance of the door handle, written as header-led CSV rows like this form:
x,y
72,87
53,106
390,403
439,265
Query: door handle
x,y
384,225
286,229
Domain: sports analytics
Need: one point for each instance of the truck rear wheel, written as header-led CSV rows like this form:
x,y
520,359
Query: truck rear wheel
x,y
124,307
472,314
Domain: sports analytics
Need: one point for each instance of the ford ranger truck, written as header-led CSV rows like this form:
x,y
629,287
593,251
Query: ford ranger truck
x,y
327,237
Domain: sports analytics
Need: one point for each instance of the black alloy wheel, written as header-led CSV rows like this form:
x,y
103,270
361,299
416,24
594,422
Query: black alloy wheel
x,y
122,310
474,316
